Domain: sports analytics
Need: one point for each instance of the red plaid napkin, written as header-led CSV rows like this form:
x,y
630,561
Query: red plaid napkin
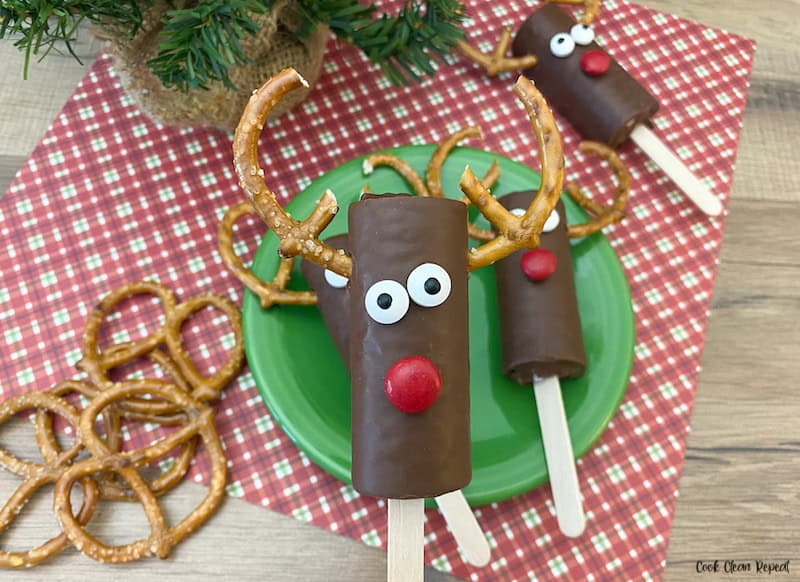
x,y
109,197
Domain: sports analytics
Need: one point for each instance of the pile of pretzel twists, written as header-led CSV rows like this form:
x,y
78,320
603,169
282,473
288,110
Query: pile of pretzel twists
x,y
175,400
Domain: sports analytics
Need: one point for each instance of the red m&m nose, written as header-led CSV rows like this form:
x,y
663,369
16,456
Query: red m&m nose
x,y
538,264
413,384
595,63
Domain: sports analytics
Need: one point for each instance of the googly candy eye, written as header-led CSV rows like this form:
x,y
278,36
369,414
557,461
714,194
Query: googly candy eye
x,y
562,45
386,301
429,285
335,280
582,34
550,224
552,221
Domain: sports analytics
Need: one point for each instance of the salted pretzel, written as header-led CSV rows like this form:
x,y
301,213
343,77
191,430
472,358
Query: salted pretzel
x,y
37,475
45,432
301,238
96,362
204,388
602,216
162,538
140,409
497,61
432,186
269,293
110,488
177,364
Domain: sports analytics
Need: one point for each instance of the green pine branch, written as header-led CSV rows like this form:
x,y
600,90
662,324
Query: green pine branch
x,y
39,26
406,46
198,44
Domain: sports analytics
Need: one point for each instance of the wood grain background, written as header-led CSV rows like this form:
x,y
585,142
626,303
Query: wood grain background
x,y
740,488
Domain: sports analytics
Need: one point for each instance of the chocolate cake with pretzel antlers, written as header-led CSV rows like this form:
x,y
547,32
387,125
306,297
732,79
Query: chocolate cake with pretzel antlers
x,y
585,84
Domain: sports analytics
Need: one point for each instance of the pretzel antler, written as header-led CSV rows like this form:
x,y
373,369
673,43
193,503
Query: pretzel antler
x,y
271,293
433,175
296,238
432,186
497,62
514,232
400,166
590,8
602,216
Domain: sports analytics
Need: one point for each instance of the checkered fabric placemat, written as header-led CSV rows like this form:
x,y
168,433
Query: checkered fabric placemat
x,y
110,197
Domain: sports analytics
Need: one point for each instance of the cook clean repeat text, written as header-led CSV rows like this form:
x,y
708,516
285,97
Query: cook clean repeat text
x,y
742,567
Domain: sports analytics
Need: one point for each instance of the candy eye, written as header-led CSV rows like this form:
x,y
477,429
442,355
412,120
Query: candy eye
x,y
386,301
335,279
549,225
582,34
562,45
429,285
552,221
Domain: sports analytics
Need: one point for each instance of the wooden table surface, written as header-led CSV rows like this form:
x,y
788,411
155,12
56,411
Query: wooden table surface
x,y
740,488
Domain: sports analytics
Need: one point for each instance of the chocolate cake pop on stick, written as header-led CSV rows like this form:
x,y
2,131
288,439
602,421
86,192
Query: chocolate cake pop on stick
x,y
409,315
596,95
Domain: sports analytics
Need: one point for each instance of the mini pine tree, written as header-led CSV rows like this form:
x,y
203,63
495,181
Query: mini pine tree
x,y
200,40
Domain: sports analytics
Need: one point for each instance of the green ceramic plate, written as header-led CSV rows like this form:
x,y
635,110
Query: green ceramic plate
x,y
305,385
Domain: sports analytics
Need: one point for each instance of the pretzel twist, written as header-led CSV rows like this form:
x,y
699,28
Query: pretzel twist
x,y
514,232
590,8
138,409
296,238
109,488
497,62
177,364
96,364
162,537
270,293
37,475
205,388
602,216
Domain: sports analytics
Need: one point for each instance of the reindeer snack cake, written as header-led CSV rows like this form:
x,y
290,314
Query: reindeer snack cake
x,y
407,276
540,327
409,334
595,94
587,86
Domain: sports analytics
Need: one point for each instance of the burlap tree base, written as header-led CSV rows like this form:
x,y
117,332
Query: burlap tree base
x,y
272,49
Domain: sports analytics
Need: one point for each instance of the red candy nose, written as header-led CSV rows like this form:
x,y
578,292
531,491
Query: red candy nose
x,y
413,384
595,63
538,264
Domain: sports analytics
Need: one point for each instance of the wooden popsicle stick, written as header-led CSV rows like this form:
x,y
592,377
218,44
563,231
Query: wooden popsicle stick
x,y
559,457
405,555
465,527
676,170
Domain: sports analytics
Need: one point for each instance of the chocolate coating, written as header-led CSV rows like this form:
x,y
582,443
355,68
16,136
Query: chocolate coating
x,y
398,455
604,108
333,302
540,326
